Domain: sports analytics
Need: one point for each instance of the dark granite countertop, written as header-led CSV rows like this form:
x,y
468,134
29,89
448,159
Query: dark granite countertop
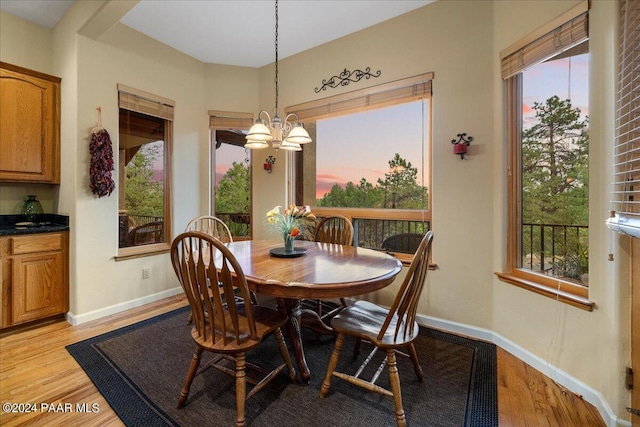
x,y
44,223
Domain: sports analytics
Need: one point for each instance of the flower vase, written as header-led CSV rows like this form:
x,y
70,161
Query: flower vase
x,y
288,244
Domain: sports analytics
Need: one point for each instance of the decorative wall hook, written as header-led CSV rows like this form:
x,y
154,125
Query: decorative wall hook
x,y
460,146
268,165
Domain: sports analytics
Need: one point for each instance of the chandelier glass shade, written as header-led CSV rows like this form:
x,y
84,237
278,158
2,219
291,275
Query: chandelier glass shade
x,y
268,131
285,135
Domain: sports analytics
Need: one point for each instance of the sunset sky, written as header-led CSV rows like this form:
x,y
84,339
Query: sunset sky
x,y
360,145
553,78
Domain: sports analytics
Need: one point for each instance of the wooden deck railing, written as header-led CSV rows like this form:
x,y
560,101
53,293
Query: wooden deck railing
x,y
239,223
374,227
556,249
144,219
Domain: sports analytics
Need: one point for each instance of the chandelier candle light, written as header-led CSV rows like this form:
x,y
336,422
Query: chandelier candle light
x,y
289,223
284,135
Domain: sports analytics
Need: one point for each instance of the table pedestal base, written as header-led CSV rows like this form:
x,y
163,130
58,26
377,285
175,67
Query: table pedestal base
x,y
291,307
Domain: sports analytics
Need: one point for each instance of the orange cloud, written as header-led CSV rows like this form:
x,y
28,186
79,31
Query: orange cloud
x,y
328,177
325,181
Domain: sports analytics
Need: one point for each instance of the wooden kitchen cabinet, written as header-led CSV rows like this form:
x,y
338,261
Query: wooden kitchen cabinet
x,y
35,277
29,125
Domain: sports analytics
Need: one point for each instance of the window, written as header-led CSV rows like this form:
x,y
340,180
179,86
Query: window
x,y
548,133
231,171
370,162
144,171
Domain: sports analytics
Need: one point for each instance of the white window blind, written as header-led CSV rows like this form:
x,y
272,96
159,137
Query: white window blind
x,y
626,176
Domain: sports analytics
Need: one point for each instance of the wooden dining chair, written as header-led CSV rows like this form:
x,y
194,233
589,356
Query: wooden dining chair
x,y
335,229
217,228
387,329
145,234
211,225
222,324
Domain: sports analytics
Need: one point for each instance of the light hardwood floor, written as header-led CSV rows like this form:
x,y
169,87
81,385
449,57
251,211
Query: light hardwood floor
x,y
36,368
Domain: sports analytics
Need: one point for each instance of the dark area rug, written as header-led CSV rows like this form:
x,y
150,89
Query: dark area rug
x,y
140,370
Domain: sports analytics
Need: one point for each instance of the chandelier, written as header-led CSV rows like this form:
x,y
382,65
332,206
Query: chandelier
x,y
286,135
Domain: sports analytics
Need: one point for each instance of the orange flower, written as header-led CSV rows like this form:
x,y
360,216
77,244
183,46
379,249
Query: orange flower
x,y
295,231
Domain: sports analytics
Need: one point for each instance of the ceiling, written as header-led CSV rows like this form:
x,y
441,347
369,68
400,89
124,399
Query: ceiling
x,y
240,32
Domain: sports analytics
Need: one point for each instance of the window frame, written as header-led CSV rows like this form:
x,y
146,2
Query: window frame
x,y
379,96
227,120
152,105
549,286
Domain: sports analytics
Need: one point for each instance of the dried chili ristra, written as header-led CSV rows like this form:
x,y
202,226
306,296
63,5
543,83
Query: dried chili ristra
x,y
101,164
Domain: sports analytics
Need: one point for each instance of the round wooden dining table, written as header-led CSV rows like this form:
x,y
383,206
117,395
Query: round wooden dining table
x,y
324,271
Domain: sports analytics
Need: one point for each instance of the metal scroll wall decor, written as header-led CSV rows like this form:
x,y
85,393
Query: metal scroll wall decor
x,y
346,77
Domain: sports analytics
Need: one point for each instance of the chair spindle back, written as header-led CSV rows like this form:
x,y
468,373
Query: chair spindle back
x,y
335,229
405,304
211,225
200,260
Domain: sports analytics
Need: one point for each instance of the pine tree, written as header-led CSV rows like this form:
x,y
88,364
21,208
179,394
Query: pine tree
x,y
232,193
144,196
555,154
399,189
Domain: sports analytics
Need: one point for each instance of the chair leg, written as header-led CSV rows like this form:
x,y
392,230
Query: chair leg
x,y
191,373
356,347
190,319
394,378
416,364
333,362
241,388
285,354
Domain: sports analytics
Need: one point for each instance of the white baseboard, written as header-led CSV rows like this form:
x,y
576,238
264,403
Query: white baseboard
x,y
565,380
117,308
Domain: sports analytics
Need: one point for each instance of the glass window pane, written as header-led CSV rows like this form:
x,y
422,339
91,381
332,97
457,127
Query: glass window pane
x,y
233,185
554,175
142,199
373,159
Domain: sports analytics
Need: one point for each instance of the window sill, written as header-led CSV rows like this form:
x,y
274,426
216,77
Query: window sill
x,y
550,292
142,251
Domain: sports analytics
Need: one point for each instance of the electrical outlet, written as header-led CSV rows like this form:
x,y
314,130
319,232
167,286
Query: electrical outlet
x,y
146,273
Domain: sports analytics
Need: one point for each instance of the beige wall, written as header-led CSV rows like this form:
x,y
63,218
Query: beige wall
x,y
461,103
457,40
25,44
100,284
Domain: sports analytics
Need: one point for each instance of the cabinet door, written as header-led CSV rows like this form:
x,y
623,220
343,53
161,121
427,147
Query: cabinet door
x,y
29,127
37,286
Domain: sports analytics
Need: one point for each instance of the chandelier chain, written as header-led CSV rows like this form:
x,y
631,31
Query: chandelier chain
x,y
276,75
284,134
